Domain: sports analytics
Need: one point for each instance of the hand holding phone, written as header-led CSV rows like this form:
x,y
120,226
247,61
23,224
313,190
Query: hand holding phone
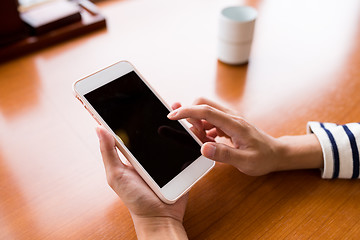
x,y
165,153
153,219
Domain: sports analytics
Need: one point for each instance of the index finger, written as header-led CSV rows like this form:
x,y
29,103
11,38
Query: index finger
x,y
212,115
202,101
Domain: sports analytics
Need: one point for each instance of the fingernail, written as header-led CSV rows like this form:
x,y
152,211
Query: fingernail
x,y
172,114
209,150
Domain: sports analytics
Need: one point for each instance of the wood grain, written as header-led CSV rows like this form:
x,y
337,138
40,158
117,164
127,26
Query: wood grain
x,y
304,66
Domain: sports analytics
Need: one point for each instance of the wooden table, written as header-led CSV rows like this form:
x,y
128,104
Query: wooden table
x,y
305,65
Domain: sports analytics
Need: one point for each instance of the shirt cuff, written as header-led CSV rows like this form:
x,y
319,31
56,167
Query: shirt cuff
x,y
340,147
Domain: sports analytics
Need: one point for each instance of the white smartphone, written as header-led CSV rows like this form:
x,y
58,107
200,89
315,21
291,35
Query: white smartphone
x,y
165,153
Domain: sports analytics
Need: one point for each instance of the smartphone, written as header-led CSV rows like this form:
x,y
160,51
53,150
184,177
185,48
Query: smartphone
x,y
164,152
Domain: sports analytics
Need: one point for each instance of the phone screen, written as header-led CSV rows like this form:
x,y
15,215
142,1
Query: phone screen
x,y
162,146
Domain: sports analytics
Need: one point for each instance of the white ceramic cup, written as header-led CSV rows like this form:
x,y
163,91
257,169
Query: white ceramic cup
x,y
236,30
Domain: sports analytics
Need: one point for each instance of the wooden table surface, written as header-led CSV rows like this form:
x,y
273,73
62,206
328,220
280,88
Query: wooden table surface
x,y
305,65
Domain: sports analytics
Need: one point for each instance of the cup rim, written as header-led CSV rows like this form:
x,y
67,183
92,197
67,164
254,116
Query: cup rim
x,y
239,14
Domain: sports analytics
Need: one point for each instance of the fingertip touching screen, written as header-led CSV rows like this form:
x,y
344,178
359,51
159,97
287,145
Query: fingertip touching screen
x,y
162,146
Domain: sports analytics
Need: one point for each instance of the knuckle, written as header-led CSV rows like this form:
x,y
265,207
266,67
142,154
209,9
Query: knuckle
x,y
207,110
113,178
200,100
225,154
110,180
239,119
243,124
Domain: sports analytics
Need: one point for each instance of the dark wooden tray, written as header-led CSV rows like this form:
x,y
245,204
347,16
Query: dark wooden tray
x,y
90,22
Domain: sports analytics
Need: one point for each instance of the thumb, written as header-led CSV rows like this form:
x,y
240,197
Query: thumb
x,y
108,149
219,152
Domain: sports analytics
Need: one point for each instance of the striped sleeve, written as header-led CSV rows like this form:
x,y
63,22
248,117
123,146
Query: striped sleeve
x,y
340,146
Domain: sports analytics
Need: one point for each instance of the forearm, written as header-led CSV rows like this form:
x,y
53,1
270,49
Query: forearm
x,y
159,228
299,152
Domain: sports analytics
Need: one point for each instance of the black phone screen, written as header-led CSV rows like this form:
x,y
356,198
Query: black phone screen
x,y
162,146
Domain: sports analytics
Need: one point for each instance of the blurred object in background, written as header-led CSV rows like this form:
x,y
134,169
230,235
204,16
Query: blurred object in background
x,y
26,4
11,27
51,15
36,24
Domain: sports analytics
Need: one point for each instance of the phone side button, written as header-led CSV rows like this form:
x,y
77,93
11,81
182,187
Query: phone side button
x,y
96,119
79,99
88,110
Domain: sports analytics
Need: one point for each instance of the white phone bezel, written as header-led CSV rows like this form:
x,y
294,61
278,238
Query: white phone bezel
x,y
180,184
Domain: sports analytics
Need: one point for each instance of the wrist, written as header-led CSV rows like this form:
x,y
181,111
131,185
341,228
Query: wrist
x,y
158,228
299,152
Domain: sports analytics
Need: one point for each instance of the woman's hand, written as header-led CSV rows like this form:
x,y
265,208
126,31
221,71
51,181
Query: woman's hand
x,y
253,152
200,127
152,218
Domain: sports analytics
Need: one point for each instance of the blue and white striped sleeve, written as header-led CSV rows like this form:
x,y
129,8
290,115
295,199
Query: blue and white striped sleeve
x,y
340,146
